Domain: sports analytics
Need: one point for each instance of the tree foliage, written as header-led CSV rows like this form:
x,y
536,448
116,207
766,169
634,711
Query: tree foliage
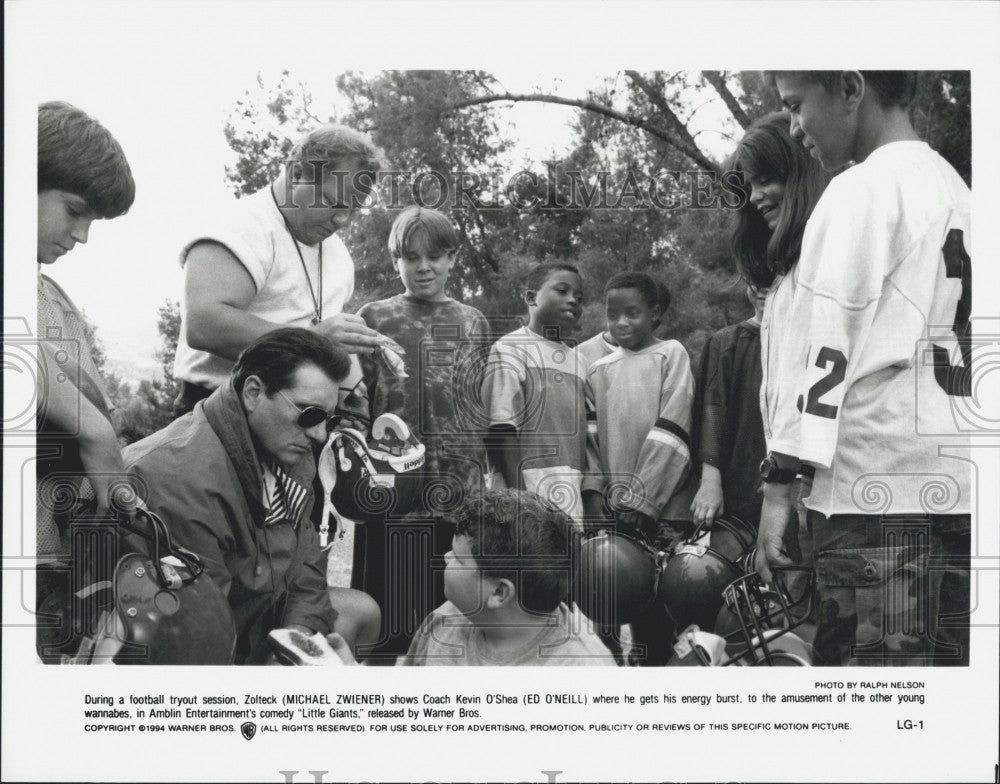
x,y
146,407
629,128
634,125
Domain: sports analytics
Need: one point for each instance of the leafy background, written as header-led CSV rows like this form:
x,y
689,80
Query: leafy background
x,y
451,121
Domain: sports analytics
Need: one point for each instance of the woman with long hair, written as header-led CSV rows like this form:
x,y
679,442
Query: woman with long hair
x,y
782,184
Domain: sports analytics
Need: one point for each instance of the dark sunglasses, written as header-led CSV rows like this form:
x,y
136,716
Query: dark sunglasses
x,y
310,416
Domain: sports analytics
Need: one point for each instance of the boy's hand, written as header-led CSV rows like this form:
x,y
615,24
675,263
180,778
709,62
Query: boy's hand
x,y
707,504
637,524
778,507
341,648
103,466
350,332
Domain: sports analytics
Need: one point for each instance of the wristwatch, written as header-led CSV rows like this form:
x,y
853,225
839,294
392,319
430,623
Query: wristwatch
x,y
772,473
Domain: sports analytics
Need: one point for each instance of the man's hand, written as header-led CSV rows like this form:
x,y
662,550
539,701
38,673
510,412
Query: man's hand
x,y
707,504
348,420
350,333
778,507
341,648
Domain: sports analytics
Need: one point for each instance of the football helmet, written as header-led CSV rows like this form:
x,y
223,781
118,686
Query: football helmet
x,y
162,608
698,570
616,578
371,478
757,621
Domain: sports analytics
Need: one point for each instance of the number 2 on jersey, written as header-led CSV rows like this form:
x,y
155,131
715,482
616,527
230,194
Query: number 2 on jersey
x,y
956,380
836,375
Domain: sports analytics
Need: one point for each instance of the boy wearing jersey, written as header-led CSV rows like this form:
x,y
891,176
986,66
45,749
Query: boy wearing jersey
x,y
533,391
597,347
441,338
639,406
639,409
883,275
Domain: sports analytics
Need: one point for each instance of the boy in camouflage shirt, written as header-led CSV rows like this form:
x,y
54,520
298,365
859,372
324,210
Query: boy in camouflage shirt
x,y
444,342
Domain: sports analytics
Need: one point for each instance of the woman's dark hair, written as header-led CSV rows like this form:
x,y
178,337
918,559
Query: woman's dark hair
x,y
275,356
78,155
768,150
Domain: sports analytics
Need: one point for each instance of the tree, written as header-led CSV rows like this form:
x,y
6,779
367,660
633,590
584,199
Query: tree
x,y
147,407
941,115
633,130
169,326
260,130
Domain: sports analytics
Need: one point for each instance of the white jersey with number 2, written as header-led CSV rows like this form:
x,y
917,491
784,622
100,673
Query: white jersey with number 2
x,y
865,342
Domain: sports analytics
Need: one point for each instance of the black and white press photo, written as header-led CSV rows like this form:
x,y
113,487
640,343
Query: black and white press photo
x,y
338,361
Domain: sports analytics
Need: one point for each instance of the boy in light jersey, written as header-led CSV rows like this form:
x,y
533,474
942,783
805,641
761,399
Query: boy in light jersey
x,y
639,449
533,388
883,276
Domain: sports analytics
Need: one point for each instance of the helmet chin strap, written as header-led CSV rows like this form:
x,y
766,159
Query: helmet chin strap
x,y
333,453
327,470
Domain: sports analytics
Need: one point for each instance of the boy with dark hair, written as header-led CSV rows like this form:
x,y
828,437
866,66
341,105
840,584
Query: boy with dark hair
x,y
82,176
884,275
442,361
534,393
639,398
507,584
639,460
602,344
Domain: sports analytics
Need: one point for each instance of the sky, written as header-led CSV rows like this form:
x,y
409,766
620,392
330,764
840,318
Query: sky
x,y
167,105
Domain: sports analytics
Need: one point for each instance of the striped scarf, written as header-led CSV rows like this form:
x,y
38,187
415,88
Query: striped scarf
x,y
283,496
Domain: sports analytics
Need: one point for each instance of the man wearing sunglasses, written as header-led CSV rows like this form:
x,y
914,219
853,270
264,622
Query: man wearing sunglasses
x,y
233,482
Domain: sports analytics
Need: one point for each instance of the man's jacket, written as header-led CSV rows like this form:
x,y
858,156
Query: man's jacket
x,y
202,475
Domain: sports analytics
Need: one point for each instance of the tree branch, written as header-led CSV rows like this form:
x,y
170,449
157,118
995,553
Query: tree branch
x,y
718,81
691,150
682,140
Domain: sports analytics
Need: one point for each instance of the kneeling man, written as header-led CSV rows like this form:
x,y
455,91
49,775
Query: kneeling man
x,y
233,478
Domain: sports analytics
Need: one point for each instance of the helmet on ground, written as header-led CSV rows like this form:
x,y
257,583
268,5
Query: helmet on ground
x,y
158,607
699,569
757,620
616,578
374,477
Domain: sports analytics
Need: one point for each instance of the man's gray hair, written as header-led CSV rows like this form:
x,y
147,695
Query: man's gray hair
x,y
338,144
